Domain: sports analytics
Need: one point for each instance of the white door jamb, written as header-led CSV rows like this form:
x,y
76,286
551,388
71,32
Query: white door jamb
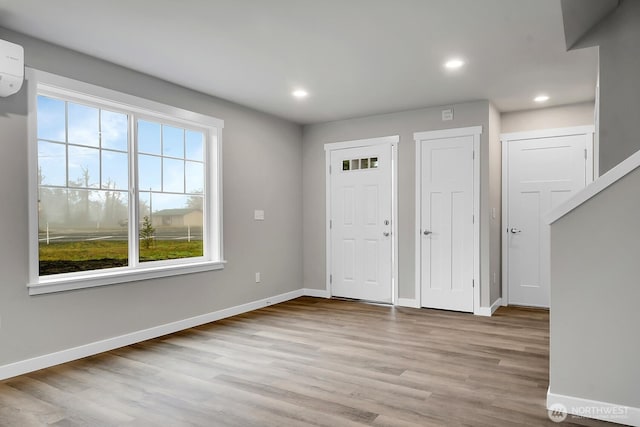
x,y
392,141
505,138
474,131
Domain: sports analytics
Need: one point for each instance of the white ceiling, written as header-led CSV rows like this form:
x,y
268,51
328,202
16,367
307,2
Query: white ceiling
x,y
355,57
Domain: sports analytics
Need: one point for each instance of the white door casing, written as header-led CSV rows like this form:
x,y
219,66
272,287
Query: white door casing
x,y
447,225
541,169
361,230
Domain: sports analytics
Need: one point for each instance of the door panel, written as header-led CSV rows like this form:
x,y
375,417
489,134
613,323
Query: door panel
x,y
542,173
361,241
447,217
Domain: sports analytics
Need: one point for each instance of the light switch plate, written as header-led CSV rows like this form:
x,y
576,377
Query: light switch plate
x,y
447,114
258,215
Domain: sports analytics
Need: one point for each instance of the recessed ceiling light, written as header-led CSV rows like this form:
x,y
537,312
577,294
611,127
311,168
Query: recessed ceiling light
x,y
300,93
454,63
541,98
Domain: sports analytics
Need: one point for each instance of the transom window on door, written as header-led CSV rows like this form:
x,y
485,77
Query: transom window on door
x,y
122,192
359,164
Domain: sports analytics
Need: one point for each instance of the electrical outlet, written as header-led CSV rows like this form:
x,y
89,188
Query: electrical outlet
x,y
257,277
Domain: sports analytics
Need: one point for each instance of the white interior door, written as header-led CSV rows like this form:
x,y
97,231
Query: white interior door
x,y
542,173
447,223
360,230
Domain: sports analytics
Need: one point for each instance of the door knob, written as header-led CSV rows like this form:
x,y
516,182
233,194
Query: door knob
x,y
385,234
515,231
427,232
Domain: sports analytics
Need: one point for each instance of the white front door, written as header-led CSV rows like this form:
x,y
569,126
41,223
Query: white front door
x,y
360,223
542,172
447,223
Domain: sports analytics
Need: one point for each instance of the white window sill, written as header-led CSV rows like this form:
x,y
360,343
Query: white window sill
x,y
102,278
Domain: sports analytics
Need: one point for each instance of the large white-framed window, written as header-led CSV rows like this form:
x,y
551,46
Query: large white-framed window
x,y
120,188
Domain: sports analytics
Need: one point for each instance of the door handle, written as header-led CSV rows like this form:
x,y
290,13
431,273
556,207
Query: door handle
x,y
515,231
427,232
385,234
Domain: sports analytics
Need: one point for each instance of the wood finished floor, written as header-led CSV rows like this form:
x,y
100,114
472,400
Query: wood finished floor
x,y
307,362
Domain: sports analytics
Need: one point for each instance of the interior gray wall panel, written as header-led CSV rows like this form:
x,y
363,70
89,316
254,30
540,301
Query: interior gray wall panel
x,y
262,170
495,196
548,118
619,39
594,248
594,297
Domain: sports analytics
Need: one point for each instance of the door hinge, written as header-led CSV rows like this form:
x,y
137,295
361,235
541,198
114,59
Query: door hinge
x,y
585,154
331,278
329,169
473,219
473,154
330,224
473,283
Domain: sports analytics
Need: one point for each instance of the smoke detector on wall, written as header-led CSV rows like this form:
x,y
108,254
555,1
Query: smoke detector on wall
x,y
11,68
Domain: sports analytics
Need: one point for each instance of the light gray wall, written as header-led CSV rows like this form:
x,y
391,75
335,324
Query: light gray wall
x,y
619,39
579,16
403,124
549,118
595,289
594,248
262,170
495,201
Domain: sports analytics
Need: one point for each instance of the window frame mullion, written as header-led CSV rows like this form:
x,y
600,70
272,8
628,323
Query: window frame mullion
x,y
134,197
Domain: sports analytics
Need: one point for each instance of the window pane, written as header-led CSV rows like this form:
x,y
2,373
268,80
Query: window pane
x,y
194,174
83,125
194,145
115,170
81,230
84,167
52,160
149,137
149,173
172,175
114,128
172,141
51,119
174,228
144,204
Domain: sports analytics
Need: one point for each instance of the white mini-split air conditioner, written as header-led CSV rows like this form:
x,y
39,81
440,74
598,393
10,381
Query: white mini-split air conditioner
x,y
11,68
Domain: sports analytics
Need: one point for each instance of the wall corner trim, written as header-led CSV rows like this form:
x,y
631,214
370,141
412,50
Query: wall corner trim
x,y
408,302
318,293
576,406
488,311
70,354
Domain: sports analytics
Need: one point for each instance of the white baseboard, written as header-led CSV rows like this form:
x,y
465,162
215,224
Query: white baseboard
x,y
488,311
408,302
585,408
496,305
319,293
63,356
